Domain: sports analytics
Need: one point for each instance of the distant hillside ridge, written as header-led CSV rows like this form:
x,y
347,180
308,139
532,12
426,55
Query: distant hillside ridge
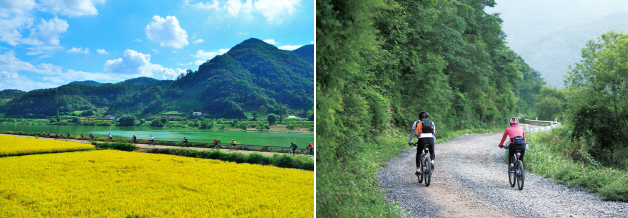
x,y
306,53
140,81
11,93
253,76
86,82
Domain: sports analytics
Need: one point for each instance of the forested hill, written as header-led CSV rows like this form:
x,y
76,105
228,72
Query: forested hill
x,y
11,93
86,82
252,76
379,63
306,53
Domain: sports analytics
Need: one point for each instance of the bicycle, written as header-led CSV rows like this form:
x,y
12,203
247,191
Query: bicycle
x,y
151,142
426,164
516,173
214,146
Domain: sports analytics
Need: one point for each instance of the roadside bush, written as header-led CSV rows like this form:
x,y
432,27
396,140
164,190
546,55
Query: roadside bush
x,y
115,145
553,155
103,124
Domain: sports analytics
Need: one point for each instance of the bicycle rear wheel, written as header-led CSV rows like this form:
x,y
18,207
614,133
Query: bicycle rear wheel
x,y
420,175
512,178
521,174
427,170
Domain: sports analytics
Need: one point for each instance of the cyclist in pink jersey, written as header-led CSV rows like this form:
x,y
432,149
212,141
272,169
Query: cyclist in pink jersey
x,y
513,131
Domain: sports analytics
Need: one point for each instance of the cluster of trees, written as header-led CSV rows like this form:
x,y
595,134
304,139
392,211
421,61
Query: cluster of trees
x,y
594,102
379,63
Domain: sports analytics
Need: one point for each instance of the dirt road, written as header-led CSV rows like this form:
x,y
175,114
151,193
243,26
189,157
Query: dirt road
x,y
470,180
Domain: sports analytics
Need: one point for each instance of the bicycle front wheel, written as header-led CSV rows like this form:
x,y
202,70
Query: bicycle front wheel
x,y
427,170
521,174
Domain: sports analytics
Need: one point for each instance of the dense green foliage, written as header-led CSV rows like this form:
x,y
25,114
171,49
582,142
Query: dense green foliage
x,y
127,120
306,53
122,146
379,63
284,161
554,155
11,93
252,76
594,101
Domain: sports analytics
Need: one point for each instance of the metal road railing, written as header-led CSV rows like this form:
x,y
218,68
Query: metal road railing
x,y
552,125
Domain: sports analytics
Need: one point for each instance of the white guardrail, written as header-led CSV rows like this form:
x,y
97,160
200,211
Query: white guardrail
x,y
552,125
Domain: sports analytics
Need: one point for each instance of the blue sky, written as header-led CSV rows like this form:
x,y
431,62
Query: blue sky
x,y
48,43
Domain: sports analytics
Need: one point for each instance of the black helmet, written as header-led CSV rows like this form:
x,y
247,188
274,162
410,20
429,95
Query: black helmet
x,y
423,114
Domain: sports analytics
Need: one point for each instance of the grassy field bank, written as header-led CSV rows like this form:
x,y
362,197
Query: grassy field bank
x,y
553,155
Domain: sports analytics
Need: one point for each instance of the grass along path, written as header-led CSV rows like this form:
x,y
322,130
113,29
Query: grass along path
x,y
143,147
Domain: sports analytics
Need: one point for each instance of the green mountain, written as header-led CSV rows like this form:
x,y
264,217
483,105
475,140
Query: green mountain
x,y
140,81
11,93
306,53
86,82
252,76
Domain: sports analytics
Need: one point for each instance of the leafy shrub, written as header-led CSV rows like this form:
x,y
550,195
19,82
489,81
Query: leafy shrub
x,y
115,145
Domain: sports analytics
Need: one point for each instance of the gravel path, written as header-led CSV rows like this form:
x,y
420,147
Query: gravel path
x,y
470,180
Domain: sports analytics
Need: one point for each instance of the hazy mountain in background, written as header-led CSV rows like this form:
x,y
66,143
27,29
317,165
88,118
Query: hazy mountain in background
x,y
550,34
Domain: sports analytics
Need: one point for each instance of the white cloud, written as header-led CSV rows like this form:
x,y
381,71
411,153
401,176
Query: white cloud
x,y
204,5
71,8
134,64
10,77
102,51
78,50
137,40
290,47
174,52
270,41
275,10
234,7
16,7
44,49
155,50
48,32
167,32
243,33
184,64
203,56
198,41
11,28
18,17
